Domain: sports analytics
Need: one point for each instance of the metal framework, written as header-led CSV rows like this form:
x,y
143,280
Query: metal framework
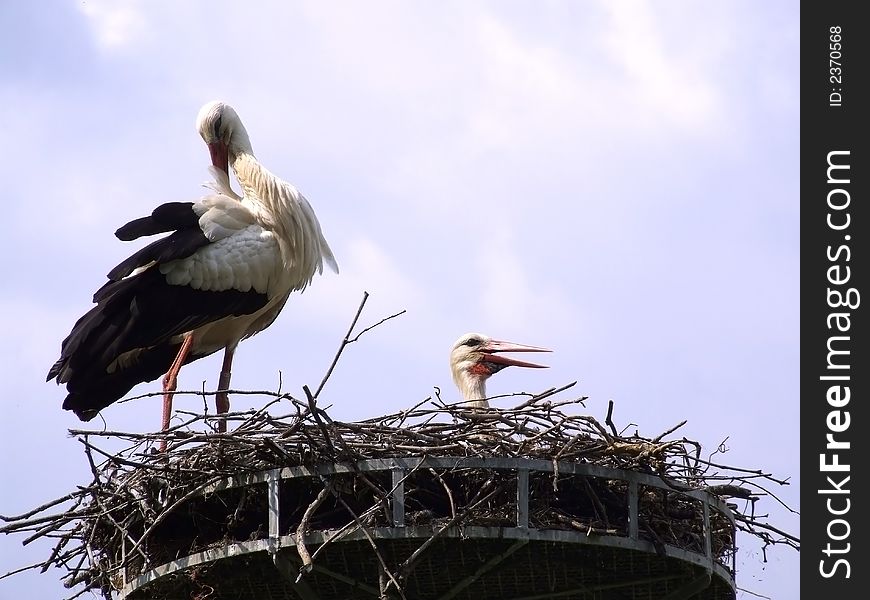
x,y
466,561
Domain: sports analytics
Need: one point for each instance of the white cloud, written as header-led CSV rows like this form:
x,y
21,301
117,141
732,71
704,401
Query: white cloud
x,y
528,88
660,84
364,267
115,23
511,296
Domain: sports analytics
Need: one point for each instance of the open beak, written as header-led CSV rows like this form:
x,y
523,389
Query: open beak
x,y
493,347
219,156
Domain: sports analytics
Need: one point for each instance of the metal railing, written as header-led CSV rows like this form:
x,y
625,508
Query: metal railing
x,y
399,470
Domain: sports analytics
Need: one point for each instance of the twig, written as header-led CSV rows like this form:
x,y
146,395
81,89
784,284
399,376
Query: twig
x,y
347,340
659,437
370,327
315,413
36,510
344,343
608,420
408,566
134,491
303,527
371,541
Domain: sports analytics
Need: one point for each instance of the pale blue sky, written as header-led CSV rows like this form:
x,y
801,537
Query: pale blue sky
x,y
617,181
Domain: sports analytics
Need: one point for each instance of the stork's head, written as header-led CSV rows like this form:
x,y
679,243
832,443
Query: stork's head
x,y
475,357
223,132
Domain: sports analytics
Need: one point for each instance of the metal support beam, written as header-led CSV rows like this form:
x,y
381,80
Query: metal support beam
x,y
632,510
273,481
398,497
708,532
522,497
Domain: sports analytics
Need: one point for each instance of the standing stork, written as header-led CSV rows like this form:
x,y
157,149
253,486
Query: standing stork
x,y
475,357
223,274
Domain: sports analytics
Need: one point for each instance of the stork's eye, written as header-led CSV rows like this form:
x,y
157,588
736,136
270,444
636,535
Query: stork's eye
x,y
217,126
472,342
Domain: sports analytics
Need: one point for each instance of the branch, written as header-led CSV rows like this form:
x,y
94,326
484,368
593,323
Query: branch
x,y
344,343
303,527
347,340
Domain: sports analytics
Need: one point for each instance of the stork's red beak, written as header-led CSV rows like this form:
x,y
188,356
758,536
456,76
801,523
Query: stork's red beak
x,y
492,347
220,156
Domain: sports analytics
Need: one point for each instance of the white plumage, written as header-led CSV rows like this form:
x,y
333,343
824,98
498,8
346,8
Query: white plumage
x,y
223,274
475,357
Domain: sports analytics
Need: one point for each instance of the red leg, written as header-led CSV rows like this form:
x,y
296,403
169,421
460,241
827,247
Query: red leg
x,y
170,382
222,400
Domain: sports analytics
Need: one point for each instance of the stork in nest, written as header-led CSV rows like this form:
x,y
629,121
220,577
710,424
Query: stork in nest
x,y
222,274
476,357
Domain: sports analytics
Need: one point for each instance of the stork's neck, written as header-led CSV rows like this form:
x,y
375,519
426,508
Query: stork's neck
x,y
252,176
473,390
282,209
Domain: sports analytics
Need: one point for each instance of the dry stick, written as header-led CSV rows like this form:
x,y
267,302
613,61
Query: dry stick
x,y
446,489
382,584
96,500
94,495
371,541
53,526
347,340
603,432
608,420
370,327
164,514
380,499
346,529
768,527
38,509
408,566
88,553
659,437
279,450
752,472
315,413
76,575
344,343
596,502
303,526
132,463
64,540
542,395
772,495
21,570
57,517
405,413
82,592
200,393
577,436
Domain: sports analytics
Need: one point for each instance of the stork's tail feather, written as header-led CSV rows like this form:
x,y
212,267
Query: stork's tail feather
x,y
97,389
56,368
85,414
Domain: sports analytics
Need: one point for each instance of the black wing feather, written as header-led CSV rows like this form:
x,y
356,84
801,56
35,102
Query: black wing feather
x,y
139,316
87,396
166,217
140,312
179,244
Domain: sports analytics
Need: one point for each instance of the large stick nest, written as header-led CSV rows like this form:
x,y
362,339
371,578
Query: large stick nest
x,y
151,503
